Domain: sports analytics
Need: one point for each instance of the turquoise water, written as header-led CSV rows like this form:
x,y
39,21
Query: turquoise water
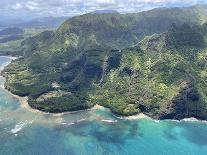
x,y
95,132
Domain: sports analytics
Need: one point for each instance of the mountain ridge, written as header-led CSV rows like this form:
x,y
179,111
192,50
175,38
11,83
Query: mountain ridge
x,y
72,58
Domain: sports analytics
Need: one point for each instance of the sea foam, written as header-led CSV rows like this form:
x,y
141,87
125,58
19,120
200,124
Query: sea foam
x,y
109,120
18,127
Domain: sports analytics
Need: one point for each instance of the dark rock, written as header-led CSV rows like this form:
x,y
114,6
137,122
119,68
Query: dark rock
x,y
187,104
92,70
127,71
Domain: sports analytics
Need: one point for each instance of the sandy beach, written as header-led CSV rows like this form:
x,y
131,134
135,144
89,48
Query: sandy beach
x,y
134,117
24,103
95,107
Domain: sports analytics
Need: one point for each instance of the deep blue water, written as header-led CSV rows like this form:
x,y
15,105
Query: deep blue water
x,y
96,132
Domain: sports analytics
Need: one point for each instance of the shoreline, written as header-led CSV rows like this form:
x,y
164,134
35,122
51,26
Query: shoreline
x,y
133,117
24,104
193,119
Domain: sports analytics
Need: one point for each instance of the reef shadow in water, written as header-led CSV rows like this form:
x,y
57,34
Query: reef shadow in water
x,y
195,133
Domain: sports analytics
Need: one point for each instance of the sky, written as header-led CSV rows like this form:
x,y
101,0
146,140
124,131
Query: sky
x,y
40,8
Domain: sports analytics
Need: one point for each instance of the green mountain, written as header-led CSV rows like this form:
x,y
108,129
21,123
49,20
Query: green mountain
x,y
11,31
11,34
151,62
163,76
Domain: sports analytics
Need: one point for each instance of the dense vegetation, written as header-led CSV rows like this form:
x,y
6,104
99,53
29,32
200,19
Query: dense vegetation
x,y
159,77
108,59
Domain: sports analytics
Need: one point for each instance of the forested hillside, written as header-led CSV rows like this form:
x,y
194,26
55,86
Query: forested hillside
x,y
152,62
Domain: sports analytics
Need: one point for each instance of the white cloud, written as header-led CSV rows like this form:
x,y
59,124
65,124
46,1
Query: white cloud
x,y
31,5
74,7
16,6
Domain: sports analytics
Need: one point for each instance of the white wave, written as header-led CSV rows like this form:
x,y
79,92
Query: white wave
x,y
74,122
18,127
2,86
156,121
173,120
71,123
80,120
109,120
133,117
192,119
